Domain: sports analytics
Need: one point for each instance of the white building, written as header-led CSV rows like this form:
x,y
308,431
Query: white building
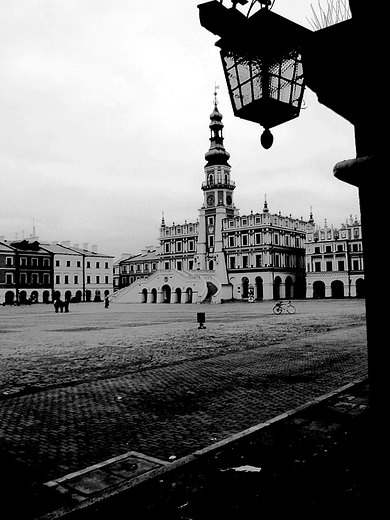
x,y
80,274
225,256
334,261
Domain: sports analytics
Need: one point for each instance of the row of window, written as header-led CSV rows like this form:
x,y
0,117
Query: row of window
x,y
9,261
130,268
278,260
180,230
329,266
335,234
78,264
77,279
260,239
264,220
45,279
339,248
177,247
24,279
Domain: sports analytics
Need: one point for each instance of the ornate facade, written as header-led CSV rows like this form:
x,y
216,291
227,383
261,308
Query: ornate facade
x,y
334,261
224,256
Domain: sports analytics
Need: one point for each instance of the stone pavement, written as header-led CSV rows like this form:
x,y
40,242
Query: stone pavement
x,y
314,461
169,411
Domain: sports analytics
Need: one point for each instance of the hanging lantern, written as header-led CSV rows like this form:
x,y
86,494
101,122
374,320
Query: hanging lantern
x,y
262,64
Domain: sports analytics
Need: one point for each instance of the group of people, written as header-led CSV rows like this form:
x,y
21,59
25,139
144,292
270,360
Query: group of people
x,y
63,306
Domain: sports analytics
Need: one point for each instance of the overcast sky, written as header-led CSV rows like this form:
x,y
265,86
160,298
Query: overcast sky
x,y
104,114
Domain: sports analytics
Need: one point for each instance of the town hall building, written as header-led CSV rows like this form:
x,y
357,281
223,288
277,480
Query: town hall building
x,y
224,255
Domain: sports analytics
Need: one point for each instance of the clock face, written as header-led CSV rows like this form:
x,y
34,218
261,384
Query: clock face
x,y
211,229
210,200
228,199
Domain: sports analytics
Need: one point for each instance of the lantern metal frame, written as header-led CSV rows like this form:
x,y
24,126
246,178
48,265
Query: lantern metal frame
x,y
265,92
262,63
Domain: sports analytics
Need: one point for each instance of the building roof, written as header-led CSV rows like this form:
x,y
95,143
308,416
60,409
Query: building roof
x,y
26,246
58,249
87,252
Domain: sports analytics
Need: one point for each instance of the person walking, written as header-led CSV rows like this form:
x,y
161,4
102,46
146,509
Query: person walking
x,y
106,302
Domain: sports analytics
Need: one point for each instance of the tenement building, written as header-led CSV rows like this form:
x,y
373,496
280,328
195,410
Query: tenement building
x,y
334,259
40,272
223,255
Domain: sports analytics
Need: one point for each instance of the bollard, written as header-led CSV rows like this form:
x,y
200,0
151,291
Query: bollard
x,y
201,318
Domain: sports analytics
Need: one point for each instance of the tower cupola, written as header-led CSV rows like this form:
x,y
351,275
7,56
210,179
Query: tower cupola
x,y
217,153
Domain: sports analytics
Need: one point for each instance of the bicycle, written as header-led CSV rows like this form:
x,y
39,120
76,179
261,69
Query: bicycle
x,y
284,306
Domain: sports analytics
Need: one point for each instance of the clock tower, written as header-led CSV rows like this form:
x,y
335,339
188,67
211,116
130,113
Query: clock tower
x,y
218,204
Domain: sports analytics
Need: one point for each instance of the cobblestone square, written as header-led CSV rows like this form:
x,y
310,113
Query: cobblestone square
x,y
82,387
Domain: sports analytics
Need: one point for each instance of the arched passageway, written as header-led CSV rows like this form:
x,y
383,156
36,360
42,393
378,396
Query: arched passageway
x,y
318,289
259,288
337,288
360,288
9,298
276,291
289,288
166,294
244,287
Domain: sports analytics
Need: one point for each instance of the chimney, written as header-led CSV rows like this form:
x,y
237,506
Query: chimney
x,y
76,245
94,248
85,245
66,243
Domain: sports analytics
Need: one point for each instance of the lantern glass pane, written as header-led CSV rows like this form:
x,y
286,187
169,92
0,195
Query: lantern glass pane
x,y
246,91
233,78
257,87
237,99
243,72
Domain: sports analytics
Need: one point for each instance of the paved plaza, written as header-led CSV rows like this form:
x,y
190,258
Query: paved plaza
x,y
83,387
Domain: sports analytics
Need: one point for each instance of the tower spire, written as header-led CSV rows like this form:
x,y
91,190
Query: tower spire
x,y
265,208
